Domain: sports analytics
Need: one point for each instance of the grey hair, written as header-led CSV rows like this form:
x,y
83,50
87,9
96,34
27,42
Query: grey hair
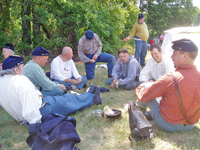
x,y
10,50
8,71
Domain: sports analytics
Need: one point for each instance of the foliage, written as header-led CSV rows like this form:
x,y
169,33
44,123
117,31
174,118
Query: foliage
x,y
57,23
166,14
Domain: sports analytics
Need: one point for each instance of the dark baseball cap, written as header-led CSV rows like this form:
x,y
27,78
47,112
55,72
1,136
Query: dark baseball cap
x,y
140,16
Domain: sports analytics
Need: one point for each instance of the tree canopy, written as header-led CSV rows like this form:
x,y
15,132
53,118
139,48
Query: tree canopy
x,y
54,24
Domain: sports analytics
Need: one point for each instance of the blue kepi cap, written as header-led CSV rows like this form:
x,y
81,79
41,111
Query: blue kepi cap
x,y
89,34
11,62
40,51
9,46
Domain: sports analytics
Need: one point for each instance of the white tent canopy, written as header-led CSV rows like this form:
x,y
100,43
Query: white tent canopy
x,y
192,33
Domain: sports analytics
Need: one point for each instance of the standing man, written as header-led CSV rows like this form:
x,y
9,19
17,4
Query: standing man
x,y
126,72
35,73
141,34
63,70
161,97
89,51
7,50
156,66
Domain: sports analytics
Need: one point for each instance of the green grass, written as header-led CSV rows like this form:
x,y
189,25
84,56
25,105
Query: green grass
x,y
101,133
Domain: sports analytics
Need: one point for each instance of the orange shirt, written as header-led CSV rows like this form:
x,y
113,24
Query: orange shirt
x,y
189,87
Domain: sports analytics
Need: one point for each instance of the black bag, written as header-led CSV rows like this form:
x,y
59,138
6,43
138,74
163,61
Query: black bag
x,y
139,125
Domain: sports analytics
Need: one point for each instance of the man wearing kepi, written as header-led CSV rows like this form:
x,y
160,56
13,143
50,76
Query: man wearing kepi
x,y
24,102
166,111
35,73
63,70
89,51
126,71
141,34
7,50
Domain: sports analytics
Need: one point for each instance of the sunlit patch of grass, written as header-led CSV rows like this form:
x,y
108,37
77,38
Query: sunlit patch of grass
x,y
101,133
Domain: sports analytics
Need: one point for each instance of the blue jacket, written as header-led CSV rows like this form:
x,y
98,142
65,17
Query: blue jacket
x,y
56,132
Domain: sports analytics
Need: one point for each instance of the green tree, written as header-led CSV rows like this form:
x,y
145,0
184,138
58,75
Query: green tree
x,y
166,14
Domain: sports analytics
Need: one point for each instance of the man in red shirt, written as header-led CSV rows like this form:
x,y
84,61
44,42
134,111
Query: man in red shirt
x,y
151,41
161,97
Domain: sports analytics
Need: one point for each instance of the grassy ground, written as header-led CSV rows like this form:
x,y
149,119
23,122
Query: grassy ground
x,y
103,133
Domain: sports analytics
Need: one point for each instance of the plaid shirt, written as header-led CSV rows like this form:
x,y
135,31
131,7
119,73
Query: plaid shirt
x,y
37,76
188,79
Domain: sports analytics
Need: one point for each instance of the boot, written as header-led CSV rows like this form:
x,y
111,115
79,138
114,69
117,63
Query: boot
x,y
95,90
139,125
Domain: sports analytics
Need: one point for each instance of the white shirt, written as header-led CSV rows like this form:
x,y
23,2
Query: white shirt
x,y
61,70
156,70
20,98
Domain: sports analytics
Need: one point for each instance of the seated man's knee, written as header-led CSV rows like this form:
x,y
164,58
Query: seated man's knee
x,y
127,87
84,79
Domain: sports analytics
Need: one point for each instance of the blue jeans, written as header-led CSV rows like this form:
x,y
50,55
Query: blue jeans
x,y
103,57
66,104
153,104
67,84
141,51
129,86
55,92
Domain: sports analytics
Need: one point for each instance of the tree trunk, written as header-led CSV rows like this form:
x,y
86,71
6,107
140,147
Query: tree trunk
x,y
26,26
36,29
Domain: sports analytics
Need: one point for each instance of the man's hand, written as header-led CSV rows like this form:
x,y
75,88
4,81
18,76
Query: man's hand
x,y
115,80
72,81
92,60
94,57
62,87
126,39
78,80
112,85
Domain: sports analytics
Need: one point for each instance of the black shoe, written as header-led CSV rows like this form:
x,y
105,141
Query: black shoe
x,y
95,90
85,85
110,76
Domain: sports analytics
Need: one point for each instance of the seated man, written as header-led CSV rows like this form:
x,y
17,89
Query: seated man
x,y
126,71
24,102
35,73
89,51
7,50
63,70
165,110
157,65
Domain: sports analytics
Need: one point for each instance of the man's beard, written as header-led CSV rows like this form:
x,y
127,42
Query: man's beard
x,y
140,22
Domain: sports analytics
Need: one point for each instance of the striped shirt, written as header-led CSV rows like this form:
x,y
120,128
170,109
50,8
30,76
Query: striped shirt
x,y
86,46
188,79
37,76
